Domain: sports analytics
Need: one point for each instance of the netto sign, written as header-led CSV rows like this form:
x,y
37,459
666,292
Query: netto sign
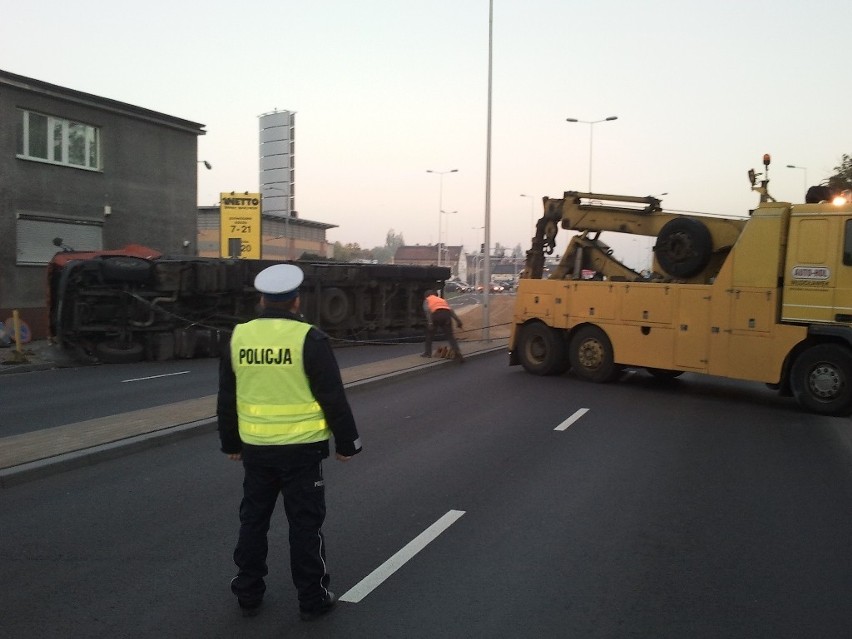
x,y
239,226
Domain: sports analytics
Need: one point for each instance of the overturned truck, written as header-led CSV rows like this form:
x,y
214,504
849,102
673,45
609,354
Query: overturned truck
x,y
135,303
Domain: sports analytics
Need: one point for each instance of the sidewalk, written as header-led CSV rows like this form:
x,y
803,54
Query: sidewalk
x,y
31,455
36,356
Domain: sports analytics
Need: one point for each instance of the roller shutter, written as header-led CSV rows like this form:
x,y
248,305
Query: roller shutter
x,y
35,235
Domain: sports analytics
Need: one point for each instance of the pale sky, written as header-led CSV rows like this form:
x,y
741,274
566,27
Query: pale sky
x,y
385,90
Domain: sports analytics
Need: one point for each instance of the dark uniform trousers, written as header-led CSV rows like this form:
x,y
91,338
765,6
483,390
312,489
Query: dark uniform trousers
x,y
303,493
443,319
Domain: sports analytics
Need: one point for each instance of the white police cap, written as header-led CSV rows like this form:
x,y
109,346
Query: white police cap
x,y
279,279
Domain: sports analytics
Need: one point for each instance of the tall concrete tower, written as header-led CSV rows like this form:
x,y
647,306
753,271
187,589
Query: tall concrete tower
x,y
277,154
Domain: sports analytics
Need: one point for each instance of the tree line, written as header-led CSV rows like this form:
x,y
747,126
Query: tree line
x,y
842,179
352,251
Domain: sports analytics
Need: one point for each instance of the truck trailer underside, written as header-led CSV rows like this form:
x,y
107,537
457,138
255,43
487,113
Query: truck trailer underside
x,y
136,304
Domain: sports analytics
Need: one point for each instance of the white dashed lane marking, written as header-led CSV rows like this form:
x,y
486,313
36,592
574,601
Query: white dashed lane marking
x,y
564,425
375,578
143,379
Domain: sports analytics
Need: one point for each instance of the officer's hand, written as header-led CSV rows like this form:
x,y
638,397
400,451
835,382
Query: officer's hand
x,y
342,458
235,456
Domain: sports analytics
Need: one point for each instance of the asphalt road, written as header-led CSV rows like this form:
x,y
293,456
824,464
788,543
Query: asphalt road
x,y
44,399
699,508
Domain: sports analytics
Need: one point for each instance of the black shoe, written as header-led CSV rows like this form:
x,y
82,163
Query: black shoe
x,y
425,355
250,609
311,614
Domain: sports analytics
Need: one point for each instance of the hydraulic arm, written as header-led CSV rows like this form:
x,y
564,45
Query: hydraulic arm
x,y
688,248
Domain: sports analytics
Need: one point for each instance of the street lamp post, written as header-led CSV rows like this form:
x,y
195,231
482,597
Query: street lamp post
x,y
442,247
591,124
477,259
532,211
804,170
486,321
440,175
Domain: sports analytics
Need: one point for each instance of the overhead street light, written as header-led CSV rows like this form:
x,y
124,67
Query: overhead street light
x,y
206,164
804,170
591,124
440,175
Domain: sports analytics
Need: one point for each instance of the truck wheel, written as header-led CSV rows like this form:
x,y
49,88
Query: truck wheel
x,y
119,352
335,305
541,350
822,380
591,355
684,247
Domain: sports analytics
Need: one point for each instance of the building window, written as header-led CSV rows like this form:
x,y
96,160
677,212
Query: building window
x,y
58,141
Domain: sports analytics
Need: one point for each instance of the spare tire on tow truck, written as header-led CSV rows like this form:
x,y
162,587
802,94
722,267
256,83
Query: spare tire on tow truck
x,y
684,247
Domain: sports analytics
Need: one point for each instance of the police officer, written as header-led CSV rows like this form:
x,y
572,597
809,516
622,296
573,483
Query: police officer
x,y
440,315
280,398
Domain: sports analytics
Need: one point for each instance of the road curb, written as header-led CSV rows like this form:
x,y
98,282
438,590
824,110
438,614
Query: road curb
x,y
419,369
23,473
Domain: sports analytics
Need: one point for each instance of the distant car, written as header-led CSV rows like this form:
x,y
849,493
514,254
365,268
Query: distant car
x,y
453,287
494,288
457,287
508,286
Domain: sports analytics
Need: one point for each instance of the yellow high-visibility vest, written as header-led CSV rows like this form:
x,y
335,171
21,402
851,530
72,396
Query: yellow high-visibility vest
x,y
275,405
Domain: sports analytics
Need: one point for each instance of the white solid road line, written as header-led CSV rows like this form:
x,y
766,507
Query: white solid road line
x,y
142,379
564,425
375,578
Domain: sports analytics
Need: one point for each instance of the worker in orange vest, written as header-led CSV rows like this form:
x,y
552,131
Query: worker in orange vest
x,y
440,315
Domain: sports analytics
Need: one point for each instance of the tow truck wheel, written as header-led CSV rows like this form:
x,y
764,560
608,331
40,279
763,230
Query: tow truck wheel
x,y
684,247
541,350
822,380
592,357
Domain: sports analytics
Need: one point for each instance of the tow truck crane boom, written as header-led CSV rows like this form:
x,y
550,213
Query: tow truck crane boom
x,y
688,248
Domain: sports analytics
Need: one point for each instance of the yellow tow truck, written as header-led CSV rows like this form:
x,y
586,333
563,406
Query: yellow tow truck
x,y
766,298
